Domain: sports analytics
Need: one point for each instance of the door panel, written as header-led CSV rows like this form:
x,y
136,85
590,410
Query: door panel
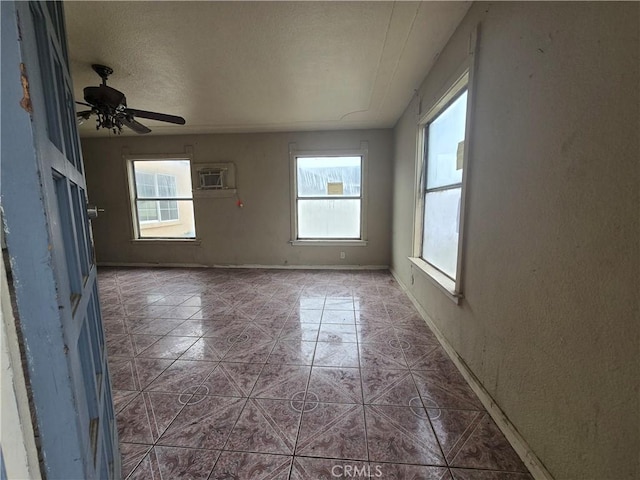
x,y
50,244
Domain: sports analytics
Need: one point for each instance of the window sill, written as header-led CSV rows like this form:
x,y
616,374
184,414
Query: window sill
x,y
439,279
172,241
329,243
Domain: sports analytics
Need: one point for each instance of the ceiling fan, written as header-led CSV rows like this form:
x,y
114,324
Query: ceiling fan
x,y
110,107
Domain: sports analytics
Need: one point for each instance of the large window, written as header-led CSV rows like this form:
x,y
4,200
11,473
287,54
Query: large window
x,y
440,201
162,201
444,148
328,197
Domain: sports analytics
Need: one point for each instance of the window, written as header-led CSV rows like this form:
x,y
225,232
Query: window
x,y
162,202
157,185
441,194
443,186
328,197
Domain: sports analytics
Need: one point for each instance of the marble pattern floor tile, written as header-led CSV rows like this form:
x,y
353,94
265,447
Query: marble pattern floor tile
x,y
292,352
375,332
299,332
389,387
121,399
429,357
168,347
131,455
207,348
346,317
251,466
302,315
204,422
228,330
191,328
250,350
472,440
382,355
282,382
335,385
467,474
332,430
266,426
336,355
136,373
401,435
175,462
445,390
398,471
147,416
308,468
142,342
416,335
287,375
337,333
231,380
181,375
119,345
151,326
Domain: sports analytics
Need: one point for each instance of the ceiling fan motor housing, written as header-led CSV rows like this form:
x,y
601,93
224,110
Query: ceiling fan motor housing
x,y
104,96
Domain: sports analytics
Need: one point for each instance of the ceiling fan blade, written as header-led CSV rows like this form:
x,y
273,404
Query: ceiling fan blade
x,y
84,114
135,126
161,117
85,104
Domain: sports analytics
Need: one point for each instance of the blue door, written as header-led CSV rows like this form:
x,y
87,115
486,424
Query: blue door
x,y
49,242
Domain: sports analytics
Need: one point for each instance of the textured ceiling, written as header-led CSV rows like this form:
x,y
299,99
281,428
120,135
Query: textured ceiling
x,y
260,66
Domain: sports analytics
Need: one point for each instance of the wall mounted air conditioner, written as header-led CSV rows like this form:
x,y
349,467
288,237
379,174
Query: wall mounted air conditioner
x,y
214,180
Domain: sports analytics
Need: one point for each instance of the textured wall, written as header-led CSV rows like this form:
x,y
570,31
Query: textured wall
x,y
549,323
256,234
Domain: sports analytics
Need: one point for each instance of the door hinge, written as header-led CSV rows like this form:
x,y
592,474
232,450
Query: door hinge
x,y
25,103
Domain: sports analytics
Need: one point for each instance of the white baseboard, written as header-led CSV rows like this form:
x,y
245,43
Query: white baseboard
x,y
272,267
519,444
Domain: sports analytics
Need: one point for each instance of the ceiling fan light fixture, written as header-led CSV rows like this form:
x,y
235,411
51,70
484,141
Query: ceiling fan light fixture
x,y
110,107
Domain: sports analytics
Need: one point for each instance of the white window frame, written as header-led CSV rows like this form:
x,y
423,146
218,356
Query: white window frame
x,y
363,153
133,197
463,79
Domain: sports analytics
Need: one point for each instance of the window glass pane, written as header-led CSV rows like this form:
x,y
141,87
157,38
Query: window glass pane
x,y
168,210
147,211
443,136
328,176
173,219
441,228
331,218
145,184
167,186
168,178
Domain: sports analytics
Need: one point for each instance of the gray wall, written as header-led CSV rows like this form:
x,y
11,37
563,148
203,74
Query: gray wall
x,y
256,234
549,323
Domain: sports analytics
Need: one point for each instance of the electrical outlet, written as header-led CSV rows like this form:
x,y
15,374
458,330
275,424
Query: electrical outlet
x,y
343,255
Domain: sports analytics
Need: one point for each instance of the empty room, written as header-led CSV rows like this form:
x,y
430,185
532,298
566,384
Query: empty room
x,y
314,240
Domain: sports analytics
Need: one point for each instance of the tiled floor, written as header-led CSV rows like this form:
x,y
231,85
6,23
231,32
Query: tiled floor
x,y
285,374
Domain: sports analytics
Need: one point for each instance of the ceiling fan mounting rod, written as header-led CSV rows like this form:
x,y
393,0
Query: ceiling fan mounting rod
x,y
103,71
